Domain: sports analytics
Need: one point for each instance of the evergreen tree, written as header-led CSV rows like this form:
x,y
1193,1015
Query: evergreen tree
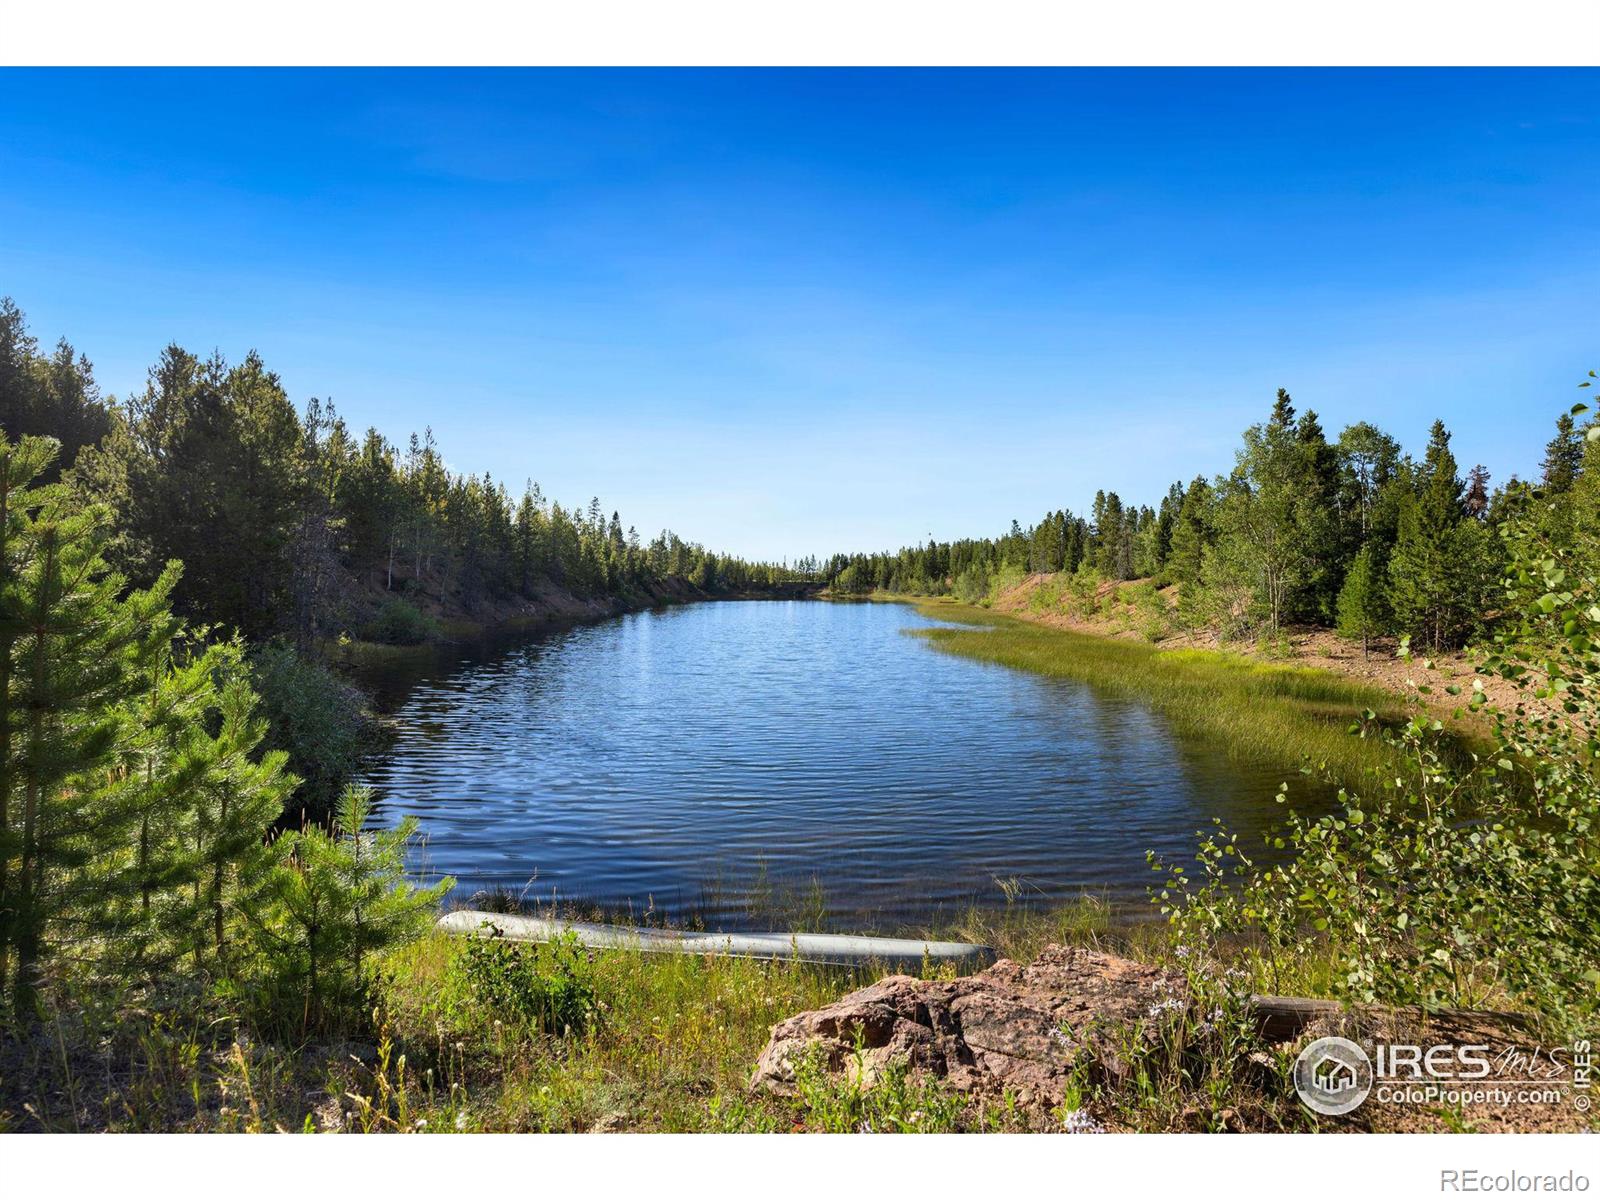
x,y
1563,457
208,467
338,896
1192,534
47,395
1363,610
1442,562
1317,529
1476,500
74,644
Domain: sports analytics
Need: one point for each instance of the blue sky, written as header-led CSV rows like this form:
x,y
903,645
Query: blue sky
x,y
795,312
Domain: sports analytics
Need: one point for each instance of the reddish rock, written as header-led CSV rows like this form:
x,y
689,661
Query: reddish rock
x,y
1011,1027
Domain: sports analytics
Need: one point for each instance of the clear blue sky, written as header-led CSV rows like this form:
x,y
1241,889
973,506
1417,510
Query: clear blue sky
x,y
793,312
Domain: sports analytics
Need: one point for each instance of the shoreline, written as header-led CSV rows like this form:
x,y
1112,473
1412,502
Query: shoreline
x,y
1259,710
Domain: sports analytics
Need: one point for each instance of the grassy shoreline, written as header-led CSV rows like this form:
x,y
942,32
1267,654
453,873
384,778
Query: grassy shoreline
x,y
667,1044
1294,717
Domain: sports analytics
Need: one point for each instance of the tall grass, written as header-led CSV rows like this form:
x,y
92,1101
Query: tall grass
x,y
1257,712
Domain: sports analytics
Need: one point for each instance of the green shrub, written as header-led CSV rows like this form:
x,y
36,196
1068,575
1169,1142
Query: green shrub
x,y
401,623
1080,592
549,988
972,585
1003,580
320,720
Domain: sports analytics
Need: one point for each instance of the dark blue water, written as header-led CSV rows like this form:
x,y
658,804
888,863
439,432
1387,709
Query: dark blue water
x,y
722,761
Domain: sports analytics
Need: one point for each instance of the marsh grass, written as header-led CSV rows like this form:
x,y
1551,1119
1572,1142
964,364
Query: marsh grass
x,y
1294,717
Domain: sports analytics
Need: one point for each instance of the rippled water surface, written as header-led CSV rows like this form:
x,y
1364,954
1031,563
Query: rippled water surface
x,y
730,760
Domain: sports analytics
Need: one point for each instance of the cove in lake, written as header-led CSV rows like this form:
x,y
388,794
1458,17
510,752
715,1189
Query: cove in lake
x,y
723,762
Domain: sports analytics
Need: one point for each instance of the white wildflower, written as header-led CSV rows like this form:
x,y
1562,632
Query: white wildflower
x,y
1078,1120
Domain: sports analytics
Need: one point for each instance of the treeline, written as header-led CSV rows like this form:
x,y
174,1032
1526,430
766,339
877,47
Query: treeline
x,y
291,525
292,531
1350,533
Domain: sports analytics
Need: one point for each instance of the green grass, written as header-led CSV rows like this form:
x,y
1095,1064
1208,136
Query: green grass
x,y
1257,712
667,1045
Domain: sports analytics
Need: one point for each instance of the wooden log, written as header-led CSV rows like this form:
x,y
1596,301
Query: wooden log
x,y
1284,1018
1281,1018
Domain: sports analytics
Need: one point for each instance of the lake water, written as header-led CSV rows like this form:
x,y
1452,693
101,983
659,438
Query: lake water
x,y
734,762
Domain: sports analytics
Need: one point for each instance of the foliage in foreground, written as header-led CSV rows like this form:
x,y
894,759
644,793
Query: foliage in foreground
x,y
1444,883
137,799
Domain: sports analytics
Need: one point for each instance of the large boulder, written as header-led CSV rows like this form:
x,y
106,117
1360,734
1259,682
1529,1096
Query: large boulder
x,y
1022,1029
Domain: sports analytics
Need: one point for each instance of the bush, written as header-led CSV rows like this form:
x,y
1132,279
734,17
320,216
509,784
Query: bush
x,y
1004,580
320,720
1081,591
400,623
548,988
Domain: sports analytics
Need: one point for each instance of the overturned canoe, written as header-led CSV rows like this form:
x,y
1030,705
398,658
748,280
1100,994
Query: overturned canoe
x,y
836,949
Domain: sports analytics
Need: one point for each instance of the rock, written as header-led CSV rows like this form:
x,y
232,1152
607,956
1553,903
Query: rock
x,y
1022,1029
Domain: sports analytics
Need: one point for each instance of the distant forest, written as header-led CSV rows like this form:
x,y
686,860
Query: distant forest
x,y
289,525
1352,533
274,533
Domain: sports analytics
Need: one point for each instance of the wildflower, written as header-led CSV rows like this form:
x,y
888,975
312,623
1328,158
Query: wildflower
x,y
1165,1005
461,1121
1079,1121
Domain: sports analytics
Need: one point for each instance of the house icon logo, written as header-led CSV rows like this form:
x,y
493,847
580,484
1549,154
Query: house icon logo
x,y
1332,1076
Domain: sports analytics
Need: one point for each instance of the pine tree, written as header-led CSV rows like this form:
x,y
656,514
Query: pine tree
x,y
1476,500
1362,607
1442,561
1192,533
241,796
339,896
47,395
75,647
1316,526
1563,457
